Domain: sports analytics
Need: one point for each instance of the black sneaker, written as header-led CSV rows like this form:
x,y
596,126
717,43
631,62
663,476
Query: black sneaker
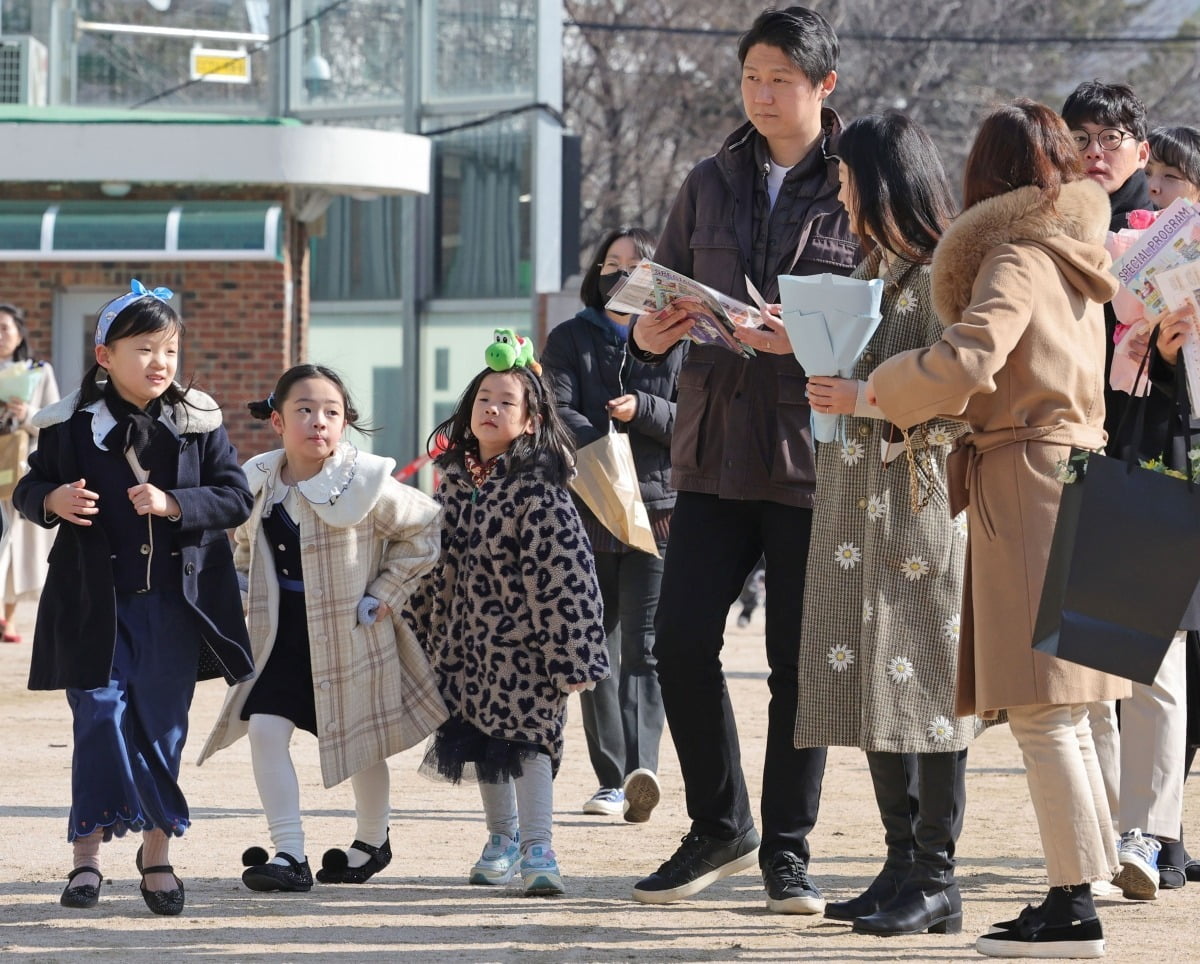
x,y
1032,938
789,891
698,862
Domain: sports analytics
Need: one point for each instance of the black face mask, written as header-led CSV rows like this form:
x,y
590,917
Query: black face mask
x,y
606,282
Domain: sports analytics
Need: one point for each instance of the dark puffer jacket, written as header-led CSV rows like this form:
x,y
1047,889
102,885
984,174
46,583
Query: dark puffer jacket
x,y
742,427
588,365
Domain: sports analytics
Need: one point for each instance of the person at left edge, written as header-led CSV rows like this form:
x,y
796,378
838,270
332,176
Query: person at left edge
x,y
141,599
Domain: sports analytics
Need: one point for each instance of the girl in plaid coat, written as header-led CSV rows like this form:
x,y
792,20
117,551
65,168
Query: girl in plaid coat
x,y
333,547
511,616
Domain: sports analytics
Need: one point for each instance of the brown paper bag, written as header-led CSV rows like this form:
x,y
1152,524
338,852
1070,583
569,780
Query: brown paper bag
x,y
14,447
606,480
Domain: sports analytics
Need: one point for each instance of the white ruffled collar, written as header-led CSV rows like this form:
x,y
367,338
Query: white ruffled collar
x,y
341,494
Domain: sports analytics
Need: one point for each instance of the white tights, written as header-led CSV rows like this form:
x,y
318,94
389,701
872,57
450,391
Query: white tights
x,y
279,790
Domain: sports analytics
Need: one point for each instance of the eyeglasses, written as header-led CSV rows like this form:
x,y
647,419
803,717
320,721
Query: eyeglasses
x,y
1109,139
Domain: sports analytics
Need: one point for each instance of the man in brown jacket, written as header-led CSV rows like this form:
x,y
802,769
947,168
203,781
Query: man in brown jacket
x,y
742,459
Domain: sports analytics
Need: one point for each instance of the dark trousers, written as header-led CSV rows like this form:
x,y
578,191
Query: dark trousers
x,y
623,716
714,545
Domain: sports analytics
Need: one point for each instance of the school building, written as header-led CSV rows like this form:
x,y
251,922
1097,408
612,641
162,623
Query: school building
x,y
374,185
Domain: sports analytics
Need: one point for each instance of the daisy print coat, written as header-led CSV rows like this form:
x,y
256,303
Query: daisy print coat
x,y
883,589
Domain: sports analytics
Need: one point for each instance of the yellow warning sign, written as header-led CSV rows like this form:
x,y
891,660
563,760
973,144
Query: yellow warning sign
x,y
221,66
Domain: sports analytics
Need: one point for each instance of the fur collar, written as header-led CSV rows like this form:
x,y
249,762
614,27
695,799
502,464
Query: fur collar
x,y
1069,230
341,494
199,417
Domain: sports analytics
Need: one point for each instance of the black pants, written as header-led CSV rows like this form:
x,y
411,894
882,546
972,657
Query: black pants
x,y
714,545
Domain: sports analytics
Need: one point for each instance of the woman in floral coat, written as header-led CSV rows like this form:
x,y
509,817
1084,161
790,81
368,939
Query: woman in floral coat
x,y
885,565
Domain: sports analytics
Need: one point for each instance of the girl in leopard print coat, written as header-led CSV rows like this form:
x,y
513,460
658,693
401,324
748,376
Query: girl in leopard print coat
x,y
511,615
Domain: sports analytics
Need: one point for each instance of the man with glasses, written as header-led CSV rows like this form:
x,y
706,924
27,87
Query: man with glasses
x,y
1108,123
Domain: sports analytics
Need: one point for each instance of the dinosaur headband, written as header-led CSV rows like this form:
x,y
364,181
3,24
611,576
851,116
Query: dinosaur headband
x,y
509,350
110,311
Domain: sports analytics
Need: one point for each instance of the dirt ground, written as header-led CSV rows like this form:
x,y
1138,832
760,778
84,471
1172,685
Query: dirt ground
x,y
421,908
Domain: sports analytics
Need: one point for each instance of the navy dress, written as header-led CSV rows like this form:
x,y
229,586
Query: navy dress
x,y
284,685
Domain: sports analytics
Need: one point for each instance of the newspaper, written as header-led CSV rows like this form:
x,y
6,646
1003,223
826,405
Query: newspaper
x,y
1173,239
1180,288
651,287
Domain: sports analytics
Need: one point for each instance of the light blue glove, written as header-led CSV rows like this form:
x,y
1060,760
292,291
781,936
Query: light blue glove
x,y
368,609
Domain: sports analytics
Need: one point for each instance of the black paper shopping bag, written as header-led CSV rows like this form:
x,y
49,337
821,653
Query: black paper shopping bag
x,y
1123,565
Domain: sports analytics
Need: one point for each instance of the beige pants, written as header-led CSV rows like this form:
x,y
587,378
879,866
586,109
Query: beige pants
x,y
1142,764
1067,791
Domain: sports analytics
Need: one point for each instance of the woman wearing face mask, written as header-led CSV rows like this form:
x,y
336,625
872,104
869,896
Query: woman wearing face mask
x,y
599,384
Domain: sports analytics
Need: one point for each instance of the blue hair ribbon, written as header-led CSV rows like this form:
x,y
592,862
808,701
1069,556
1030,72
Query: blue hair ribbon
x,y
137,290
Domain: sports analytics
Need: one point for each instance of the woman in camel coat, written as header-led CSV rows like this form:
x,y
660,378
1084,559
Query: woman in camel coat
x,y
1019,280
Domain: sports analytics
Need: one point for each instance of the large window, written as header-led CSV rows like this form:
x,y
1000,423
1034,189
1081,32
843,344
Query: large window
x,y
478,48
482,190
358,258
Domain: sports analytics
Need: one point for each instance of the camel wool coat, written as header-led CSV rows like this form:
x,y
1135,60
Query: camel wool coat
x,y
1020,283
361,533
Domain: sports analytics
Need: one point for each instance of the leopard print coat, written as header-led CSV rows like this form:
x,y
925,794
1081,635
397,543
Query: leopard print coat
x,y
511,614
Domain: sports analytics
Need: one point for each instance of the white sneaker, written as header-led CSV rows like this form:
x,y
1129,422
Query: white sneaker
x,y
1138,876
498,862
642,794
606,802
540,873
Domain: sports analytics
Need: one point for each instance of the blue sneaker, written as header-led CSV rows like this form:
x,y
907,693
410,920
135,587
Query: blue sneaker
x,y
606,802
540,874
1138,876
498,863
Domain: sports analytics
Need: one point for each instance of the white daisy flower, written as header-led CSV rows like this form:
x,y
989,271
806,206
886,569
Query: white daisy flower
x,y
852,453
914,567
905,300
868,610
959,523
951,628
940,730
900,669
876,507
847,555
940,437
839,658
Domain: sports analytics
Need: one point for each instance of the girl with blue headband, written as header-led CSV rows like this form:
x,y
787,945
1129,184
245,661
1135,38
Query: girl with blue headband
x,y
140,480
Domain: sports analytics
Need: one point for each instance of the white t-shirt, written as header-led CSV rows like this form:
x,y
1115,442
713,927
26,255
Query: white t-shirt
x,y
775,178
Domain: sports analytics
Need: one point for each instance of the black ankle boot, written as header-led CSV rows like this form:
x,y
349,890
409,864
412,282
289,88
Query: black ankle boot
x,y
926,902
894,776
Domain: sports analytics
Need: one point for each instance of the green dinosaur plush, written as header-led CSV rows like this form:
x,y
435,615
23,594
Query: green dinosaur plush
x,y
509,350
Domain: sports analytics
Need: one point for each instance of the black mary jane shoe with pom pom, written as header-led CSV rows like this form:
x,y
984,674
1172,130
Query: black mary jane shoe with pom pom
x,y
264,876
336,869
81,896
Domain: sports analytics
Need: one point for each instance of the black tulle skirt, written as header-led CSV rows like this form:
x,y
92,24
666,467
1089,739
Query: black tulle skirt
x,y
459,752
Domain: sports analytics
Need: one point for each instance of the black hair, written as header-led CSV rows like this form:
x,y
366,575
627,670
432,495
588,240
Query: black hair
x,y
901,194
147,315
802,34
1177,147
643,243
1093,102
550,448
21,352
297,373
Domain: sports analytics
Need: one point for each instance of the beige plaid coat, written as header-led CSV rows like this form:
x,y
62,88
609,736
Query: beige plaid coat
x,y
362,533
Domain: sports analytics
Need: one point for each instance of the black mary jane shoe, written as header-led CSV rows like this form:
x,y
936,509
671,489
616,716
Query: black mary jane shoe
x,y
168,903
81,896
335,868
263,876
